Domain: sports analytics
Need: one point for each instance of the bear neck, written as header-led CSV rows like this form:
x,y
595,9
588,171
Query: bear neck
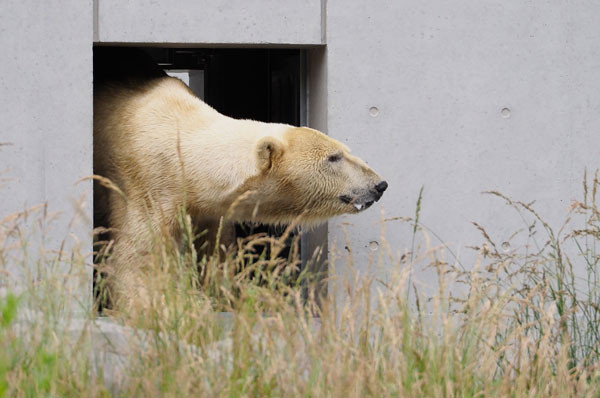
x,y
233,142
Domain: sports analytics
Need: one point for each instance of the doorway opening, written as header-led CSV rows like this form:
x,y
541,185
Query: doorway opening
x,y
268,85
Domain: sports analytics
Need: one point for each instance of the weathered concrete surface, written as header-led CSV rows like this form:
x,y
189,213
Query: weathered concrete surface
x,y
225,22
440,74
46,116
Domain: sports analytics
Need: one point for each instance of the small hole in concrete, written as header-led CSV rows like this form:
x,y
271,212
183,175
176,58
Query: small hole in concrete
x,y
505,246
373,111
505,112
373,245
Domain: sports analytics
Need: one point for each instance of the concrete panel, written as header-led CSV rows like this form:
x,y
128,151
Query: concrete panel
x,y
440,74
281,22
46,114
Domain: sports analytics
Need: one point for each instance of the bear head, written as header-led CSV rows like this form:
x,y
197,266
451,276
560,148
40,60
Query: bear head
x,y
306,176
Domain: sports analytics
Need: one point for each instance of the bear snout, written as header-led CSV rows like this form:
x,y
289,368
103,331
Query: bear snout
x,y
363,200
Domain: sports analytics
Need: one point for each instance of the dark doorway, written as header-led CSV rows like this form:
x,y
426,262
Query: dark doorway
x,y
258,84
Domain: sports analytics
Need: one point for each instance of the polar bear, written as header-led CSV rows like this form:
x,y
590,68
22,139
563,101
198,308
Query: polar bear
x,y
164,149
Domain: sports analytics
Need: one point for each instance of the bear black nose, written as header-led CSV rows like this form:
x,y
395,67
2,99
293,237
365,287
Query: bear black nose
x,y
381,187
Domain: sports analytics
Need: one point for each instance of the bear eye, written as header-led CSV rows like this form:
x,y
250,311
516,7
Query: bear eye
x,y
335,158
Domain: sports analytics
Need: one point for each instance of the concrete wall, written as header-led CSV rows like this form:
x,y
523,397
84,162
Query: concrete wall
x,y
416,88
215,22
46,116
440,74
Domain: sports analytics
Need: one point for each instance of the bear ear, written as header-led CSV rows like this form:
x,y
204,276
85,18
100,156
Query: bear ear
x,y
269,150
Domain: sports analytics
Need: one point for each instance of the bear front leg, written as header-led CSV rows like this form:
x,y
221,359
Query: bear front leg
x,y
135,262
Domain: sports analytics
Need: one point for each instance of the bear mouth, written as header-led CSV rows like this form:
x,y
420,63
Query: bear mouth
x,y
359,204
363,206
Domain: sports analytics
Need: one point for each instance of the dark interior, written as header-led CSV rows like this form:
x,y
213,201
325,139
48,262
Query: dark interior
x,y
256,84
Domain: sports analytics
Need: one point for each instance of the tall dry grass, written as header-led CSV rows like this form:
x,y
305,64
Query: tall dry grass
x,y
522,321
